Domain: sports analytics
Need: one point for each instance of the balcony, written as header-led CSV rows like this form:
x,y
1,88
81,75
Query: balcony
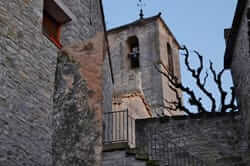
x,y
119,130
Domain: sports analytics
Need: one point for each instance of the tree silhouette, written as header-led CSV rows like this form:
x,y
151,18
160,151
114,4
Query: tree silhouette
x,y
175,84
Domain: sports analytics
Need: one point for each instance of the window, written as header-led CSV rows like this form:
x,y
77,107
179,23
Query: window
x,y
51,29
134,52
248,23
170,60
55,14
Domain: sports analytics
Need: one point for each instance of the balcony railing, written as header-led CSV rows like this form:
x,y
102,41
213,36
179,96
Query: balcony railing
x,y
119,127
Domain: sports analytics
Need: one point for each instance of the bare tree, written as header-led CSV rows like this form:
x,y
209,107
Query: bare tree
x,y
175,84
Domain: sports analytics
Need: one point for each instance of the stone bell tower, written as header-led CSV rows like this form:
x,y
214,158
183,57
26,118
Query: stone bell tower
x,y
135,50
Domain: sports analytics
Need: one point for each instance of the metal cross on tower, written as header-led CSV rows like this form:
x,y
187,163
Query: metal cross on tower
x,y
141,4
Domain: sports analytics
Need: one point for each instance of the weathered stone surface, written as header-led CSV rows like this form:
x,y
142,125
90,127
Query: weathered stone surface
x,y
27,66
241,78
164,39
78,104
107,86
88,21
120,158
238,59
213,140
135,104
153,38
27,74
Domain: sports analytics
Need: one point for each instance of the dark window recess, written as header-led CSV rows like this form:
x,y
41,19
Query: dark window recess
x,y
248,13
51,29
135,58
248,25
55,15
134,52
170,60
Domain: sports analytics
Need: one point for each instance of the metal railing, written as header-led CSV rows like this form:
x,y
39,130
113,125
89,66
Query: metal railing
x,y
118,127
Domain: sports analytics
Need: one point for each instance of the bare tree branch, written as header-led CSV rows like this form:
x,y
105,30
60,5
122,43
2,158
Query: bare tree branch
x,y
218,80
205,79
197,76
176,84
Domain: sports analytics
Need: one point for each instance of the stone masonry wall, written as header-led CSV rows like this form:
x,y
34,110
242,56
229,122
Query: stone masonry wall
x,y
241,78
153,37
88,21
27,67
149,54
107,86
27,73
164,38
78,104
121,158
211,139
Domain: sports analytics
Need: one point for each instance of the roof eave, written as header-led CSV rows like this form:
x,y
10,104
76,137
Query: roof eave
x,y
168,29
144,21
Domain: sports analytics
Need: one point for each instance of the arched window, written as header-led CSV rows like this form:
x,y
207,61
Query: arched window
x,y
170,59
134,51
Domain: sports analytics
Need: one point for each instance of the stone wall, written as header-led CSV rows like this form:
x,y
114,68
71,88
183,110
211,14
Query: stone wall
x,y
211,139
123,74
107,86
88,21
121,158
165,38
27,73
150,35
240,73
78,104
135,104
27,67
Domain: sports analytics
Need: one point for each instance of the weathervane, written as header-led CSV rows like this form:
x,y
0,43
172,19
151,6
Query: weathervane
x,y
141,5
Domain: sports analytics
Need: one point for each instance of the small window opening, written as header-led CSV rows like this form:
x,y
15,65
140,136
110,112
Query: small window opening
x,y
170,59
248,13
134,52
51,29
55,14
248,23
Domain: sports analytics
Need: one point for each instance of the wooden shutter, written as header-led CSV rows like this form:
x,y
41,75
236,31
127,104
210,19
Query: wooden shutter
x,y
51,29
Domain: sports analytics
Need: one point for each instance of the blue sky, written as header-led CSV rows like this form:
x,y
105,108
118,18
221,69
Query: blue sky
x,y
198,24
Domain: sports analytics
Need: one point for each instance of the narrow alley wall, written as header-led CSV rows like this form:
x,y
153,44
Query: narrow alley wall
x,y
28,63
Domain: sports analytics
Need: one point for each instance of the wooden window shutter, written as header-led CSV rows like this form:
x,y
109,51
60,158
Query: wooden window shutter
x,y
51,29
55,15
